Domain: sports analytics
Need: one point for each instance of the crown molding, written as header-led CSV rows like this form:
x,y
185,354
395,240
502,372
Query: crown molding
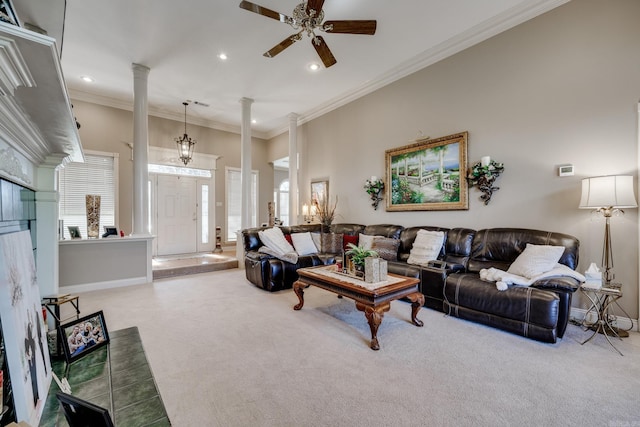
x,y
479,33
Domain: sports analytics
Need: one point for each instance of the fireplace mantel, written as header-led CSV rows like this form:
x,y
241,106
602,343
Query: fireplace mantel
x,y
38,134
37,125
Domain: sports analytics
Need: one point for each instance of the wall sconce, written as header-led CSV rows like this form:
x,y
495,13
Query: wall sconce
x,y
374,188
483,175
309,213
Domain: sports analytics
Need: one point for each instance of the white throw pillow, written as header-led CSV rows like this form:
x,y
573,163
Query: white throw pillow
x,y
535,260
365,241
303,243
274,239
426,247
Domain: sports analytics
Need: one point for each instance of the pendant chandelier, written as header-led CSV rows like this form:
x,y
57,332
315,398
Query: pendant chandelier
x,y
185,144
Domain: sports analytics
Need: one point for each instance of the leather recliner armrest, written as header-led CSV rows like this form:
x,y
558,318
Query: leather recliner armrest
x,y
568,284
447,267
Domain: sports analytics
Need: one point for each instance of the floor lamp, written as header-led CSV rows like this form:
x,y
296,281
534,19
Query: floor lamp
x,y
608,195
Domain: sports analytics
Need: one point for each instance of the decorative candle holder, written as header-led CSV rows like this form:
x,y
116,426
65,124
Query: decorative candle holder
x,y
374,188
483,175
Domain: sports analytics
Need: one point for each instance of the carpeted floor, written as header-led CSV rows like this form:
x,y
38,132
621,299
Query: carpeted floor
x,y
225,353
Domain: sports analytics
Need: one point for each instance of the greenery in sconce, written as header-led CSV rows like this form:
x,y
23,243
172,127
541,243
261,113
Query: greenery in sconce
x,y
374,190
484,176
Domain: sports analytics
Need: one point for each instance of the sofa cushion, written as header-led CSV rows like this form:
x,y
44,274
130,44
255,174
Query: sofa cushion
x,y
386,247
426,247
347,238
274,239
303,243
536,260
328,243
365,241
332,243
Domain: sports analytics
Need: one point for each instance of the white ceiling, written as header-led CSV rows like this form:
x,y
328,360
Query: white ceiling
x,y
180,41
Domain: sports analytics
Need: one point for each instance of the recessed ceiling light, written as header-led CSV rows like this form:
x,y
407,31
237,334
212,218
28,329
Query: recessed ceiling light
x,y
87,79
223,56
314,66
254,121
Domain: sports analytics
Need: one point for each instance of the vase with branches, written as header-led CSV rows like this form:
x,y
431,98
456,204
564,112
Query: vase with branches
x,y
326,211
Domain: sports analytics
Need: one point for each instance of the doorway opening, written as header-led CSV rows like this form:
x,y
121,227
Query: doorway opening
x,y
179,213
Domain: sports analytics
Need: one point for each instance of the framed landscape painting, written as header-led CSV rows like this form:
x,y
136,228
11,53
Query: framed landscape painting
x,y
429,175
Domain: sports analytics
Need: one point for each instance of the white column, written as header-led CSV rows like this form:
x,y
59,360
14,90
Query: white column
x,y
245,161
47,225
294,196
140,151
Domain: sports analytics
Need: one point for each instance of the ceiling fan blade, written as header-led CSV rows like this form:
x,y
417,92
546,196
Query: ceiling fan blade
x,y
252,7
350,27
282,45
314,5
323,51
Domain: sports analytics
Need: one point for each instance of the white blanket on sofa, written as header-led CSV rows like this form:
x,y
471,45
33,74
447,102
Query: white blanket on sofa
x,y
291,256
504,279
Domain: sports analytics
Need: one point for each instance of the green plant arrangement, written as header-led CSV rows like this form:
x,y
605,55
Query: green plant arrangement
x,y
483,175
358,255
374,188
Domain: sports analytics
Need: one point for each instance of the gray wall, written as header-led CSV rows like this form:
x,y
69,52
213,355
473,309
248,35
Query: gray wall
x,y
561,88
110,129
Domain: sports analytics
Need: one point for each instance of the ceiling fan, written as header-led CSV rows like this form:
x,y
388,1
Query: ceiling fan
x,y
308,17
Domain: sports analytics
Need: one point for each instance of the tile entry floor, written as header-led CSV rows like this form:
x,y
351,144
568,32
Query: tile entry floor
x,y
184,264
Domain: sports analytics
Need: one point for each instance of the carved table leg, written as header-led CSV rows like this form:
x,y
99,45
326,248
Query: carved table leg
x,y
374,316
298,287
417,301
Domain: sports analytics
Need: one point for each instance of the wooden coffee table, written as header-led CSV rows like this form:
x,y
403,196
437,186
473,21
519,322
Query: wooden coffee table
x,y
374,299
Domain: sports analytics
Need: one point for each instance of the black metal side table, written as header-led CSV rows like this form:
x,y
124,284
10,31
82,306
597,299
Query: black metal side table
x,y
601,301
52,304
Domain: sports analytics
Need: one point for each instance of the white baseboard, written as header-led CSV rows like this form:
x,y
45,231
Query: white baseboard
x,y
104,285
623,322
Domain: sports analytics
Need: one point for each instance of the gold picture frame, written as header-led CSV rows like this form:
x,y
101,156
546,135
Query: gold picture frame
x,y
429,175
319,192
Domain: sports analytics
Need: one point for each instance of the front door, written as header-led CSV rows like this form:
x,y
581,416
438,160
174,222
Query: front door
x,y
177,214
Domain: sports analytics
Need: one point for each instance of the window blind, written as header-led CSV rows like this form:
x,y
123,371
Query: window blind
x,y
97,175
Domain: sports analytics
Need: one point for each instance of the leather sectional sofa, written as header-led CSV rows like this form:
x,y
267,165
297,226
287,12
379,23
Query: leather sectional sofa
x,y
452,283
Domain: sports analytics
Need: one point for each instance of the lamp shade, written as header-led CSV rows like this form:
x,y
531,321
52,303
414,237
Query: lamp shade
x,y
608,191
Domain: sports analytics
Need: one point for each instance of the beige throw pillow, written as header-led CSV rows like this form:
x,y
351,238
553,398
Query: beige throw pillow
x,y
273,238
426,247
535,260
365,241
303,243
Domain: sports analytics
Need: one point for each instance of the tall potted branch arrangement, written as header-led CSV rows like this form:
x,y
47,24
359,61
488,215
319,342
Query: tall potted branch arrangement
x,y
326,211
